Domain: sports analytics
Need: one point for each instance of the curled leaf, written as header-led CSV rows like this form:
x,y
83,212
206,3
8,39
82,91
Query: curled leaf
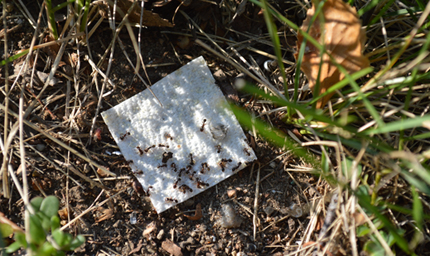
x,y
339,31
197,215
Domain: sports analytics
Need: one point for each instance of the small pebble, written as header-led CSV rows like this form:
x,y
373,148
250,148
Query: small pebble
x,y
133,218
160,234
232,193
40,147
229,218
269,210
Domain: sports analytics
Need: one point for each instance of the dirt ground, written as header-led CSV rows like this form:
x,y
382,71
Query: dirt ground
x,y
123,221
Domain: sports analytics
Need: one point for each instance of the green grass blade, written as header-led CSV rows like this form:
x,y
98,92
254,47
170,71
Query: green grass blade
x,y
51,18
399,125
417,209
272,135
14,57
273,32
85,16
62,5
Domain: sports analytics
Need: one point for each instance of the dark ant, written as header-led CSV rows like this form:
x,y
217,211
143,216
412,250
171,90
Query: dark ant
x,y
183,188
176,183
246,152
163,165
173,165
139,172
192,176
166,156
138,188
122,137
204,167
148,192
192,162
172,200
148,148
203,125
140,150
187,171
168,136
180,171
201,184
129,162
218,147
223,163
237,167
161,145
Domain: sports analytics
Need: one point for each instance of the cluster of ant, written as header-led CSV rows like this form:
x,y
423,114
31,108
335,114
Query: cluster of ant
x,y
188,169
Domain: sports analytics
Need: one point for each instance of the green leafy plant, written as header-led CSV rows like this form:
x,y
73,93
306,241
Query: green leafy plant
x,y
46,237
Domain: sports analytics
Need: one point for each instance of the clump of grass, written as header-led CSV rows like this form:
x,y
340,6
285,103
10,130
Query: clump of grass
x,y
372,139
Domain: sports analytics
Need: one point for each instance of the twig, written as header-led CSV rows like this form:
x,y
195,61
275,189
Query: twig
x,y
257,192
5,178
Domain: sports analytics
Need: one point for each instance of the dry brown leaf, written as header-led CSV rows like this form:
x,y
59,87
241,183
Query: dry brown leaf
x,y
197,215
343,39
149,18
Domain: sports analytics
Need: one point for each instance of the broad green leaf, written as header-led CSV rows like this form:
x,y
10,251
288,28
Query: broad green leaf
x,y
36,202
20,238
78,241
5,230
13,247
55,222
47,249
50,206
62,239
37,234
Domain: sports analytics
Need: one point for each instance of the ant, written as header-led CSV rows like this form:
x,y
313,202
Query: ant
x,y
148,148
139,172
203,125
187,171
204,167
171,200
180,171
173,165
223,163
122,137
218,147
191,177
237,167
140,150
166,156
168,136
183,188
192,162
246,152
161,145
148,192
129,162
163,165
176,183
201,184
